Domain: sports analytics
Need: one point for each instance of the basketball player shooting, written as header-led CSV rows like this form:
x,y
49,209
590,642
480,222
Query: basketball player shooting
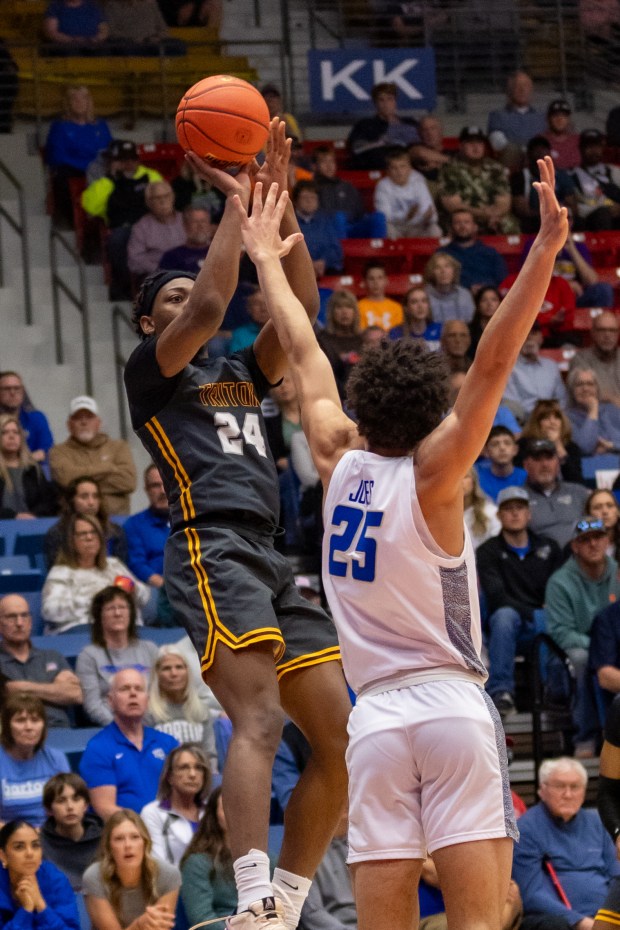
x,y
426,758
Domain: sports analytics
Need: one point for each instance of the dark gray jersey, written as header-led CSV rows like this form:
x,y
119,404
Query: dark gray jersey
x,y
204,430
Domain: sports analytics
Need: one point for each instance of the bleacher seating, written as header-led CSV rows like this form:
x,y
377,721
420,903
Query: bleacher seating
x,y
133,84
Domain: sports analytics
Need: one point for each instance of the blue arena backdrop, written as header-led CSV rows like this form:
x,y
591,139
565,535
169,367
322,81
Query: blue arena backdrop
x,y
341,80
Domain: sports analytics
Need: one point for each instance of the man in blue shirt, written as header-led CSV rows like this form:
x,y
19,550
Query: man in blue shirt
x,y
146,533
480,264
122,763
497,470
559,837
34,423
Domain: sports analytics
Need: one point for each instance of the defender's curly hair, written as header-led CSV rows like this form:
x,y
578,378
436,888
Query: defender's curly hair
x,y
399,392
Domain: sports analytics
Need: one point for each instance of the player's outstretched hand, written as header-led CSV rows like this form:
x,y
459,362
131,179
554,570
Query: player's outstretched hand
x,y
274,169
228,184
553,218
261,230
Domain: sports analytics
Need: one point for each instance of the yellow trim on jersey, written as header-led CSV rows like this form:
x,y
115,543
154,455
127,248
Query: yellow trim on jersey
x,y
217,631
165,447
610,917
332,654
265,634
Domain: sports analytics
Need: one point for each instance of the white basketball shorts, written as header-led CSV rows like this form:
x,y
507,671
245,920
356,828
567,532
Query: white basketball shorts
x,y
427,769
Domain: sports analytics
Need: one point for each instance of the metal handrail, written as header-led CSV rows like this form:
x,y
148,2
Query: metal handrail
x,y
120,316
20,227
79,301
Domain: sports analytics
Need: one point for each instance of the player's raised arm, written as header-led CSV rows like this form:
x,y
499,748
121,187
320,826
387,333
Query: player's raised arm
x,y
217,280
297,264
444,457
329,431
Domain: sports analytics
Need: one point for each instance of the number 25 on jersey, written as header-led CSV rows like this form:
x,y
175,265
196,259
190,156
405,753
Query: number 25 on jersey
x,y
354,546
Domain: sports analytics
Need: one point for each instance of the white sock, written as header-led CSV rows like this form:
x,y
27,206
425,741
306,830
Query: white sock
x,y
252,877
295,888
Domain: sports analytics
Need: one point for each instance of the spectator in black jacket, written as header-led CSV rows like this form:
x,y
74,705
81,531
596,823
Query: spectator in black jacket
x,y
513,569
372,137
71,834
25,492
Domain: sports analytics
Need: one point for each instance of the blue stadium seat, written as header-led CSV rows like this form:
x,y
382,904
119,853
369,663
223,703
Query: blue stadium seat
x,y
161,635
34,602
591,464
71,741
21,582
68,645
85,923
276,833
32,546
10,564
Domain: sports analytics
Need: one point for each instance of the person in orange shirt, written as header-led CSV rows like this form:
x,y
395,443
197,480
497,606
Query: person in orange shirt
x,y
376,309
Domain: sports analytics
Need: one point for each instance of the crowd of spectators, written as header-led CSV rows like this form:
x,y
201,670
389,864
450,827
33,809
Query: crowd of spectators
x,y
140,828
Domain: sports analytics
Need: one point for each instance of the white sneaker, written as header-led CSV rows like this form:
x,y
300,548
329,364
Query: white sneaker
x,y
266,914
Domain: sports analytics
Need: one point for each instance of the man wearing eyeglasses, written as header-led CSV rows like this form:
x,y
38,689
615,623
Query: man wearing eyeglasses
x,y
585,584
603,357
564,862
42,672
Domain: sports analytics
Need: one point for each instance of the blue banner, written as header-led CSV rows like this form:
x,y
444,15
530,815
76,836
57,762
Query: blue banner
x,y
341,80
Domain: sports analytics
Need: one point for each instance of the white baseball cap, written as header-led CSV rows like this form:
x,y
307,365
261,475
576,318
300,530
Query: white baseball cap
x,y
83,402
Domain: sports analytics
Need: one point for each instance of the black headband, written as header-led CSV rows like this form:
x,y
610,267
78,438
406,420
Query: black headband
x,y
154,283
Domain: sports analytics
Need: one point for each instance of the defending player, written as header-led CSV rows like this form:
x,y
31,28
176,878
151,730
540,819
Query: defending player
x,y
608,917
426,757
263,647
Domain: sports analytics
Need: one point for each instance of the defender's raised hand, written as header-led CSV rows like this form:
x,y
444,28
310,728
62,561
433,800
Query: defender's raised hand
x,y
553,218
261,230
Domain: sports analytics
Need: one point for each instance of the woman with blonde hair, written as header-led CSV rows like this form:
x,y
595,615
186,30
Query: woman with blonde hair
x,y
480,512
175,707
81,570
25,492
127,887
418,320
548,421
449,301
73,142
341,340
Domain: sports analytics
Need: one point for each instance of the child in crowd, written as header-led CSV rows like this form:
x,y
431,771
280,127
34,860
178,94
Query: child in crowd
x,y
71,834
403,196
376,309
497,470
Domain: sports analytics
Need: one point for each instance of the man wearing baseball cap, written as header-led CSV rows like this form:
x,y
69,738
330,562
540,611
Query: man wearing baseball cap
x,y
564,141
88,451
582,587
598,185
556,505
478,183
118,199
513,569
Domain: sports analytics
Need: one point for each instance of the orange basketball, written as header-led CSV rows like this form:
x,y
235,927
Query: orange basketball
x,y
224,119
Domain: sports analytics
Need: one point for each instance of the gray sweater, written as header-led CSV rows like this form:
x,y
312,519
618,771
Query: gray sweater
x,y
95,667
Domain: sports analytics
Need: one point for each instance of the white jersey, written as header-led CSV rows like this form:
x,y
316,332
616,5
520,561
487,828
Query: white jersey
x,y
405,611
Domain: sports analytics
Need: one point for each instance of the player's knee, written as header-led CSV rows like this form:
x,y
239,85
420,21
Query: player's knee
x,y
262,724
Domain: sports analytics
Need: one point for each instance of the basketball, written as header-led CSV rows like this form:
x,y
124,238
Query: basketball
x,y
223,119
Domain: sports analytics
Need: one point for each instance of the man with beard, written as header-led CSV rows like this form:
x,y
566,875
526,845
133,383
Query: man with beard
x,y
480,263
88,451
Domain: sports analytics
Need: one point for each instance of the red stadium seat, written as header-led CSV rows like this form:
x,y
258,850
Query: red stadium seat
x,y
561,357
419,250
165,157
397,284
357,252
509,247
